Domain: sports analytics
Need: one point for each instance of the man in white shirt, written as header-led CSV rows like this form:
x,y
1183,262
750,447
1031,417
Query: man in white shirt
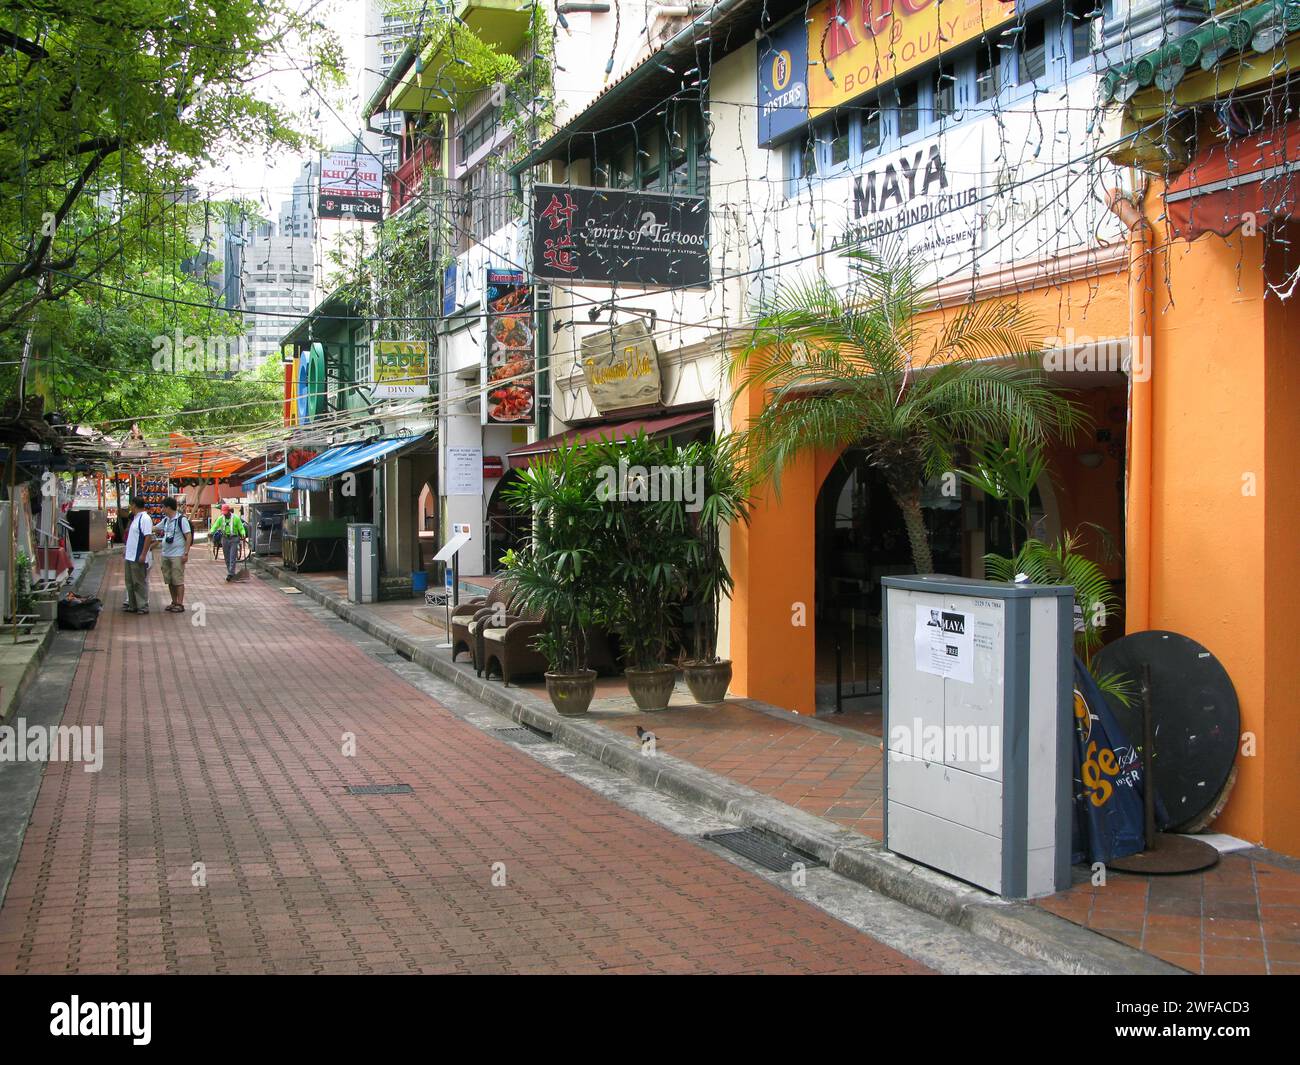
x,y
139,542
177,538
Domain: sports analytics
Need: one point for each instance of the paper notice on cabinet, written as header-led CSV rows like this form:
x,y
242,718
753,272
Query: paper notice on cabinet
x,y
945,643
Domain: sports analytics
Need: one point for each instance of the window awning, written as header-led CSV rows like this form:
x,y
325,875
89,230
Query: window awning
x,y
662,425
251,482
1249,180
337,460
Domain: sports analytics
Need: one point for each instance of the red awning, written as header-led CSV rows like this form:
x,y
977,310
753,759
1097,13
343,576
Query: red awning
x,y
1250,180
659,426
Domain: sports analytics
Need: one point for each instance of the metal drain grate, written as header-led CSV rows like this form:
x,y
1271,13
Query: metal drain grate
x,y
379,789
761,849
520,734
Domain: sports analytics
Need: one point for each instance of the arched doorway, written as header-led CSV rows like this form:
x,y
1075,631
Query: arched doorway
x,y
860,538
506,528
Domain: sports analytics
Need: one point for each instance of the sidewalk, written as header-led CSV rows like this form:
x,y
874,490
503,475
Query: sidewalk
x,y
725,759
1241,917
224,830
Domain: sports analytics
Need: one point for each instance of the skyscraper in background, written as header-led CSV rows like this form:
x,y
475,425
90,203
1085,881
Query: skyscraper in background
x,y
386,36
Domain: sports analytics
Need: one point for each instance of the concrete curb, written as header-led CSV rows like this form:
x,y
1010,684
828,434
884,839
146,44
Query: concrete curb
x,y
1022,927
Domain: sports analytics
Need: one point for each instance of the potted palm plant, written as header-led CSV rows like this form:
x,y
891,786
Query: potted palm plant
x,y
560,572
857,367
723,500
646,532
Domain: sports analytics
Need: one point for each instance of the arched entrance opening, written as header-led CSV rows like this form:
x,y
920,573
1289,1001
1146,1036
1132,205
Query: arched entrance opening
x,y
860,539
506,529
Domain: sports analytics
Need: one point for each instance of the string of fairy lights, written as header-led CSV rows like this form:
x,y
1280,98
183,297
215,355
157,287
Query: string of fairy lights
x,y
754,217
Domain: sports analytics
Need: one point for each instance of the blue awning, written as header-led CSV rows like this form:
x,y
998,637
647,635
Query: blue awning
x,y
337,460
257,477
281,484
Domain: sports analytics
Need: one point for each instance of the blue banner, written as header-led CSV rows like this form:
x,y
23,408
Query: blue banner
x,y
782,81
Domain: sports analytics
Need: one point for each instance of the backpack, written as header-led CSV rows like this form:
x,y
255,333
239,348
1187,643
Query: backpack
x,y
78,613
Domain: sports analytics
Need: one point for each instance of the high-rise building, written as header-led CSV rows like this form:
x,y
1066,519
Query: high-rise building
x,y
298,213
386,36
277,288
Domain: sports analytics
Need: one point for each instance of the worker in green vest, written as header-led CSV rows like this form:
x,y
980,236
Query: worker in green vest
x,y
232,529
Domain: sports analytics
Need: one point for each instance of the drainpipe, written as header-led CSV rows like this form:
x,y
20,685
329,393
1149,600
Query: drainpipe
x,y
1138,476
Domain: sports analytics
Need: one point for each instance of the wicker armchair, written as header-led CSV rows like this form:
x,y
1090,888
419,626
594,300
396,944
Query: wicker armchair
x,y
510,649
466,621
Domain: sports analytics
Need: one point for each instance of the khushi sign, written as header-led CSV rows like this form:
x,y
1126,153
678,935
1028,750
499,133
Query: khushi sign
x,y
508,372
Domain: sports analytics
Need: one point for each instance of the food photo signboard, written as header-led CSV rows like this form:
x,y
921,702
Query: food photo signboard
x,y
509,366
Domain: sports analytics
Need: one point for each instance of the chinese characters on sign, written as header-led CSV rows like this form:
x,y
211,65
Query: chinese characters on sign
x,y
618,236
508,373
558,248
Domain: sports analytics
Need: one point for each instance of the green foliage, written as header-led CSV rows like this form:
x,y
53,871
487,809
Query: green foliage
x,y
1008,472
648,540
856,367
725,500
609,548
108,110
562,570
1061,563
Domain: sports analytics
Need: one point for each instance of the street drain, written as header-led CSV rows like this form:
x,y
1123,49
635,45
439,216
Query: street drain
x,y
520,734
379,789
761,849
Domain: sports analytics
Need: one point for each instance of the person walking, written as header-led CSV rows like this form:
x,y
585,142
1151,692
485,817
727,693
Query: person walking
x,y
177,539
232,529
139,542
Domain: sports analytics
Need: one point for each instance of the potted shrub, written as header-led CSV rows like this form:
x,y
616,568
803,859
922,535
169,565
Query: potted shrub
x,y
560,572
723,500
647,537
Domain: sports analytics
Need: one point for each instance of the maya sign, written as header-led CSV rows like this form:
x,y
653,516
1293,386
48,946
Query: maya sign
x,y
401,369
621,367
350,187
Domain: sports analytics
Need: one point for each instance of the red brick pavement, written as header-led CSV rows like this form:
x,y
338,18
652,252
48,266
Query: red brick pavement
x,y
823,773
224,747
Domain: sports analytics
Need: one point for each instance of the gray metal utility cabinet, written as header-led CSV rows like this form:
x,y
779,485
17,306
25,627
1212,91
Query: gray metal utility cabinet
x,y
363,562
978,679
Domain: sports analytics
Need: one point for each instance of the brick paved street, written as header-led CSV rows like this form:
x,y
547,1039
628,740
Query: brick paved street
x,y
224,747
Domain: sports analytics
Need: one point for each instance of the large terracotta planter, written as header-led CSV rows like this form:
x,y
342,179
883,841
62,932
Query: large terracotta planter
x,y
571,693
708,681
651,688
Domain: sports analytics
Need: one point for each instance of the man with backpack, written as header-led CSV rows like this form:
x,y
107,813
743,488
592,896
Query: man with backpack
x,y
232,529
177,539
139,542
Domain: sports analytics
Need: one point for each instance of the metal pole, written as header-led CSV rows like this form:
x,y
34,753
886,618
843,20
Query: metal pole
x,y
1148,760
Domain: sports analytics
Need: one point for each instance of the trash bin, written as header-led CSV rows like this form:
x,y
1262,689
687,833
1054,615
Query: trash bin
x,y
419,582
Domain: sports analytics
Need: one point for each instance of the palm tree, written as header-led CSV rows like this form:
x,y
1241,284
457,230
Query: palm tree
x,y
859,367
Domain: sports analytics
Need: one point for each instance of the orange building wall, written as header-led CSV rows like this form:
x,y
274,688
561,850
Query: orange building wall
x,y
1207,537
1279,758
773,560
1225,564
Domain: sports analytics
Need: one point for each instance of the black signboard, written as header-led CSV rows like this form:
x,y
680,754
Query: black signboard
x,y
620,236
